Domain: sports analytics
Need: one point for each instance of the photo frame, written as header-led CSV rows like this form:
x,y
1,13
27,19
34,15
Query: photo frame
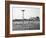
x,y
24,18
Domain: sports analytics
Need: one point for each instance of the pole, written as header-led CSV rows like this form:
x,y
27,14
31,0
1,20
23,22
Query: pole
x,y
23,17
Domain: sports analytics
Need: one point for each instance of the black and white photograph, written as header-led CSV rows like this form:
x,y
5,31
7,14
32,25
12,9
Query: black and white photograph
x,y
25,18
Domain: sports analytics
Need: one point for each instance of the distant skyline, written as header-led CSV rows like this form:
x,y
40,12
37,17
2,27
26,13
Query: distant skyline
x,y
29,12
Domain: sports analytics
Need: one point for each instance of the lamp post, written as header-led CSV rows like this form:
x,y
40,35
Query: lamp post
x,y
23,16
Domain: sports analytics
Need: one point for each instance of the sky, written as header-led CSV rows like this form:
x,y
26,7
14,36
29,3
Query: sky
x,y
29,12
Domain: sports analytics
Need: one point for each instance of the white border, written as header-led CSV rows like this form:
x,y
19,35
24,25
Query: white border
x,y
25,31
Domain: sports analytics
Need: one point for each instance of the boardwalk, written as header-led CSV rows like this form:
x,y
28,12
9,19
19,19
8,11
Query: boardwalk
x,y
26,25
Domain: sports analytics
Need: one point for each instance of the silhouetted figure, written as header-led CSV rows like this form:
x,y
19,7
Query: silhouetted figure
x,y
37,18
